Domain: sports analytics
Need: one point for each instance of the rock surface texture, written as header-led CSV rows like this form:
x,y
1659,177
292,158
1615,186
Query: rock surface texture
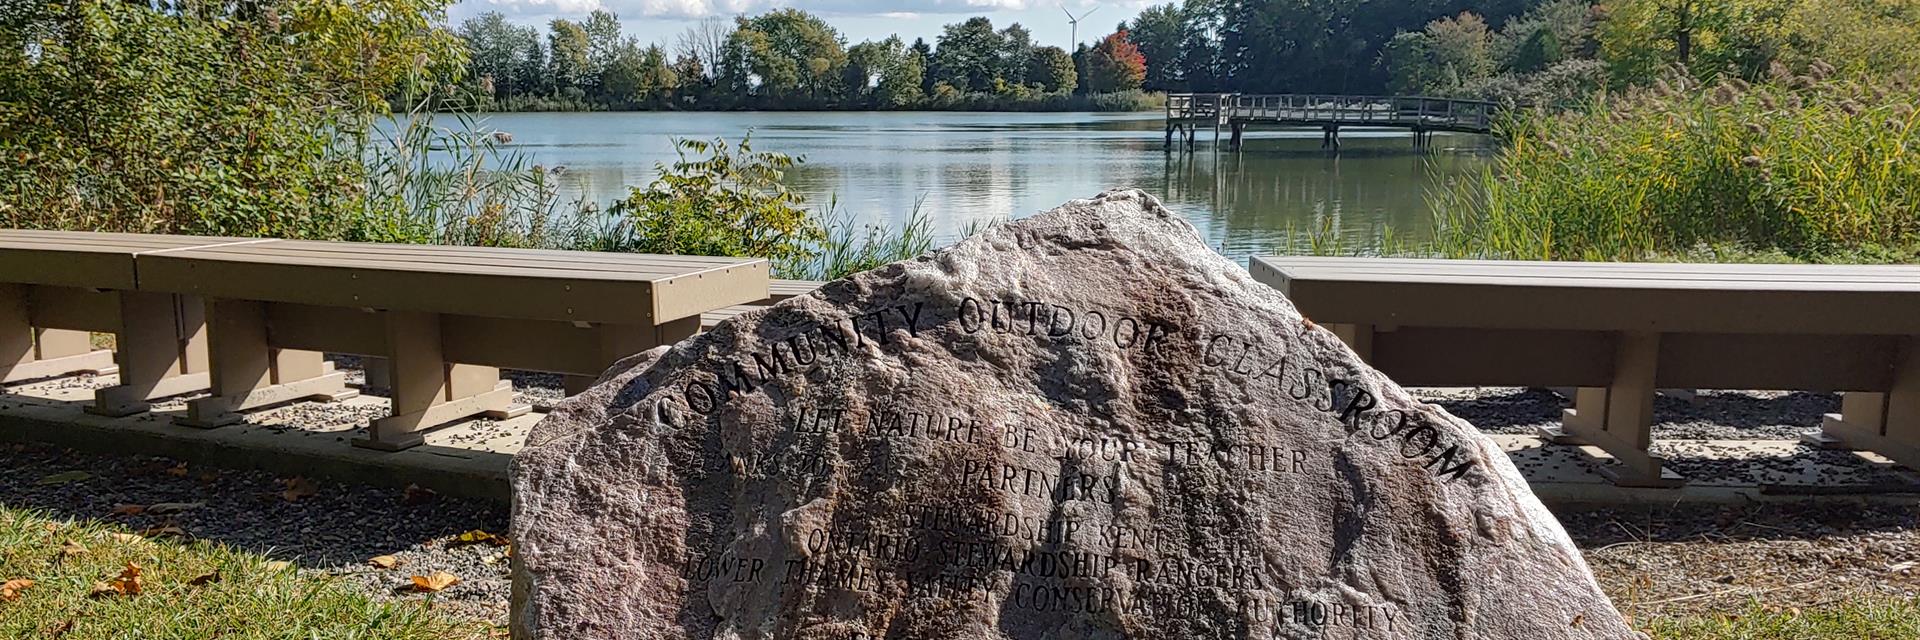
x,y
1085,424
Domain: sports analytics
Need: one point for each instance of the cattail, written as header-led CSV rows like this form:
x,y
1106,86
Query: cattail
x,y
1766,102
1801,82
1740,85
1852,108
1723,94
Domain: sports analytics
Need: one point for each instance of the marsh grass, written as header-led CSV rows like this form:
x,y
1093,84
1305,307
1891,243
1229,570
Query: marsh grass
x,y
1806,166
192,589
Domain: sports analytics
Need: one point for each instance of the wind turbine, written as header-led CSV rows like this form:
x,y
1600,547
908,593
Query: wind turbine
x,y
1074,23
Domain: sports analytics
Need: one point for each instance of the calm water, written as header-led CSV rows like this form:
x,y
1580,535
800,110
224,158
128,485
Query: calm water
x,y
965,167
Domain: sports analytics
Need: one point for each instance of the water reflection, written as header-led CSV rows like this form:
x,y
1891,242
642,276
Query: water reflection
x,y
963,168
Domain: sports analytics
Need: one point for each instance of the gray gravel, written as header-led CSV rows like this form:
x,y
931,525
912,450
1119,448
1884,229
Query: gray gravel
x,y
1711,415
333,531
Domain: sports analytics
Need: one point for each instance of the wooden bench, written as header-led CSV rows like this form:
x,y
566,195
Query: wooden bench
x,y
1618,331
57,286
444,318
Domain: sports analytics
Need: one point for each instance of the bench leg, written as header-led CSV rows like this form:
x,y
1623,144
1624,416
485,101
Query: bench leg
x,y
1884,423
1619,418
427,390
162,348
29,353
1358,337
247,373
620,341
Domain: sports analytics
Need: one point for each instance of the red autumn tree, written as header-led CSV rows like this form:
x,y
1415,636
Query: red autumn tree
x,y
1115,65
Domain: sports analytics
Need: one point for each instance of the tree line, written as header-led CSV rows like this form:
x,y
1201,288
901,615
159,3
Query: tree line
x,y
784,59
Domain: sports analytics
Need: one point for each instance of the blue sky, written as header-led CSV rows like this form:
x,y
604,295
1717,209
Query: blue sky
x,y
662,20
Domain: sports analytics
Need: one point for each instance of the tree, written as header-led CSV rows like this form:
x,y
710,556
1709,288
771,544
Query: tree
x,y
604,43
206,118
497,53
794,53
1115,65
567,62
1160,32
967,55
1052,70
1016,51
703,44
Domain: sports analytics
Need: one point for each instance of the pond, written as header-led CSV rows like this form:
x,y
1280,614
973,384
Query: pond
x,y
963,168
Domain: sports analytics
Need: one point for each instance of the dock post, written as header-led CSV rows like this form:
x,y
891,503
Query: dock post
x,y
1238,129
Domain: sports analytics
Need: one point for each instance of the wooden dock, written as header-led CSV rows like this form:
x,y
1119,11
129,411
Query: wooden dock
x,y
1187,113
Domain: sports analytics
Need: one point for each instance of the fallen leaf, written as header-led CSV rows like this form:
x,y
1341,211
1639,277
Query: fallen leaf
x,y
476,536
298,488
438,581
129,509
61,629
65,477
416,494
10,590
165,508
128,538
163,532
384,562
128,584
178,471
279,565
71,549
205,579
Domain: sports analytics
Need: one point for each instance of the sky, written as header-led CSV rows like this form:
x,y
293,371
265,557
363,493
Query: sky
x,y
662,21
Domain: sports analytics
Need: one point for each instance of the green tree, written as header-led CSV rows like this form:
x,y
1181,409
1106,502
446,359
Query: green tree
x,y
795,54
1052,70
1160,32
567,61
205,117
497,54
967,55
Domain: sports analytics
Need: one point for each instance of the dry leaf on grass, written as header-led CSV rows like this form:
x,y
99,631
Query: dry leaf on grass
x,y
128,584
71,549
61,629
178,470
164,532
127,538
440,580
384,562
279,565
205,579
477,536
129,509
10,590
298,488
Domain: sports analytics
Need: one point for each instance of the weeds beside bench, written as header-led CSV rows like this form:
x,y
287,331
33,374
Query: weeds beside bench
x,y
1618,331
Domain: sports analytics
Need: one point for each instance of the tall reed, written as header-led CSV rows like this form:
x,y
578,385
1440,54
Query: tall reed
x,y
1810,166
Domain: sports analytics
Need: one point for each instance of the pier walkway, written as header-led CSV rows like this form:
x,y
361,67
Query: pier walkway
x,y
1187,113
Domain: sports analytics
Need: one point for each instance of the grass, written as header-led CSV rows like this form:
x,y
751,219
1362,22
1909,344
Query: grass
x,y
1883,619
1809,166
187,590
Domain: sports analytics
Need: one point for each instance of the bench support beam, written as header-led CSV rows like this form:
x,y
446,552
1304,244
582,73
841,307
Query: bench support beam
x,y
29,352
248,372
427,390
162,349
619,341
1884,423
1619,418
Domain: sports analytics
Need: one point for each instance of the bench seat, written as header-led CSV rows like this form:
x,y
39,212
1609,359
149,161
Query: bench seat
x,y
1618,331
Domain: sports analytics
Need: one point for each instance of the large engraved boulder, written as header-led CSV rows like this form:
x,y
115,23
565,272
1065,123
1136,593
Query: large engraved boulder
x,y
1085,424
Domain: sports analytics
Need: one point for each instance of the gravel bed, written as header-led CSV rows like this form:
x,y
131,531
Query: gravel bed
x,y
322,527
1709,415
